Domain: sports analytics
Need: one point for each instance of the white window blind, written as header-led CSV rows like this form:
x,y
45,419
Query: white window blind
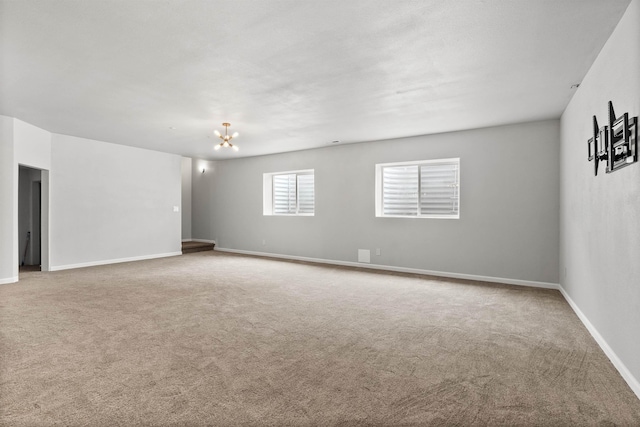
x,y
439,189
293,193
400,190
418,189
284,194
306,194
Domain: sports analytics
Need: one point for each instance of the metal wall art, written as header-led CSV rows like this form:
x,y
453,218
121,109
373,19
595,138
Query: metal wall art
x,y
616,143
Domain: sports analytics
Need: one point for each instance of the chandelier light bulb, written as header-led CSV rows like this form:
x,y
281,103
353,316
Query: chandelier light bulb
x,y
226,138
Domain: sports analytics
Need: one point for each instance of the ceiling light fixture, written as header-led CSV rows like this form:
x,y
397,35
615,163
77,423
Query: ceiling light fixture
x,y
226,138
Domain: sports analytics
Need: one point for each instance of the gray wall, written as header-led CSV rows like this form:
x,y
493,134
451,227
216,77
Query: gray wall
x,y
186,197
112,202
508,226
202,203
600,216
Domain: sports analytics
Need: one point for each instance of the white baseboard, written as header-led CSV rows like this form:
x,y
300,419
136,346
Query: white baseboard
x,y
112,261
632,381
518,282
186,240
8,280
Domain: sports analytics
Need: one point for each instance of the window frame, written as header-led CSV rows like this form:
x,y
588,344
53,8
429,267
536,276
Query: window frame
x,y
268,196
379,196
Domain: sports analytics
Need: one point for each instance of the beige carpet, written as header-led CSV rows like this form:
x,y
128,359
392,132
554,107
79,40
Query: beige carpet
x,y
216,339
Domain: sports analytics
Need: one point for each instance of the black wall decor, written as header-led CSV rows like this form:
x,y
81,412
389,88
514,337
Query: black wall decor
x,y
616,143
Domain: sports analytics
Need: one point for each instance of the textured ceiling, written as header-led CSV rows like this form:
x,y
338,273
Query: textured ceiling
x,y
291,75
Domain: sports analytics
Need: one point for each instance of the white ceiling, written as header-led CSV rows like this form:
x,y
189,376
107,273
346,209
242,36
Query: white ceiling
x,y
291,75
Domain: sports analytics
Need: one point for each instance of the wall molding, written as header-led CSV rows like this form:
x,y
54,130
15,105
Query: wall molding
x,y
449,275
112,261
626,374
8,280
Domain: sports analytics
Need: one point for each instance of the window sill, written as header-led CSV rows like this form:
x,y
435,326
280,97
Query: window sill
x,y
420,216
288,215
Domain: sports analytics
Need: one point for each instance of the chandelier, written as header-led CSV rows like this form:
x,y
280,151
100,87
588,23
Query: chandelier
x,y
226,138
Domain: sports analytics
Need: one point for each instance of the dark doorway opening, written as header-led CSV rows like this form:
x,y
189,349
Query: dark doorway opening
x,y
30,218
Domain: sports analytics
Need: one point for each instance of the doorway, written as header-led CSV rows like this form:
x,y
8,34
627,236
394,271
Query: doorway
x,y
29,219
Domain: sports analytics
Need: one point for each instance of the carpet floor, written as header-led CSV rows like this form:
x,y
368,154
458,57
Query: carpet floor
x,y
217,339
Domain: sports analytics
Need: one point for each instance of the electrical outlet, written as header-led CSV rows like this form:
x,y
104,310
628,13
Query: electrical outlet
x,y
378,251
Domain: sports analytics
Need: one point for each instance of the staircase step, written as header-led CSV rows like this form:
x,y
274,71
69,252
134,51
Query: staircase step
x,y
190,247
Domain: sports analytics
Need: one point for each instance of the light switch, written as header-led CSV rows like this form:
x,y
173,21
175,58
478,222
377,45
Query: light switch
x,y
176,208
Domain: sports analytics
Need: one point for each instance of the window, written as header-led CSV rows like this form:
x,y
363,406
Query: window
x,y
289,193
421,189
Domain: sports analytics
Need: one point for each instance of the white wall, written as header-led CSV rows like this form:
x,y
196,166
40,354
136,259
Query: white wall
x,y
8,209
32,145
112,202
508,227
101,202
600,215
186,197
26,144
